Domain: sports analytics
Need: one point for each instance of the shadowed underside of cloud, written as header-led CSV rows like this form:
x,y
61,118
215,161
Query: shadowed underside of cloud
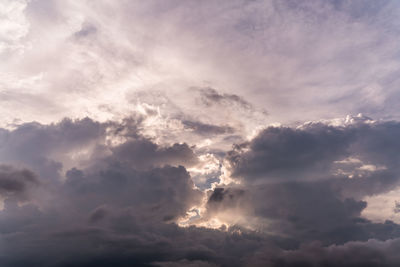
x,y
207,129
117,204
308,183
15,183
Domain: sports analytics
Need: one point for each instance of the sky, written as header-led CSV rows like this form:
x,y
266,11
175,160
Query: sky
x,y
199,133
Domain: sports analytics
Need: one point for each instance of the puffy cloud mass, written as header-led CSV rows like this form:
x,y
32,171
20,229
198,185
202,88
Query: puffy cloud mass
x,y
199,133
125,200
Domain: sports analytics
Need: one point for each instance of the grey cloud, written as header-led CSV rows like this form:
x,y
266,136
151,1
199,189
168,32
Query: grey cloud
x,y
207,129
287,153
210,97
158,194
109,196
117,201
185,263
111,213
354,254
43,147
131,165
137,245
98,214
396,207
16,183
299,213
143,153
37,145
17,219
302,211
225,195
34,145
295,181
86,30
360,9
120,209
314,152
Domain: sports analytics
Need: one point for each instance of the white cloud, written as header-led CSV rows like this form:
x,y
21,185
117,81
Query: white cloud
x,y
13,26
298,61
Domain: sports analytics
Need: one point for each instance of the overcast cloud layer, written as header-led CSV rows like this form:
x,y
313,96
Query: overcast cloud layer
x,y
199,133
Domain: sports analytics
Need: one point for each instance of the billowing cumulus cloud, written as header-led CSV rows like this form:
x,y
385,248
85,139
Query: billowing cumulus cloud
x,y
309,182
111,194
122,206
187,133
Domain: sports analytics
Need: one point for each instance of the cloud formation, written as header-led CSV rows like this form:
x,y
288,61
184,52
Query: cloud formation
x,y
149,133
15,183
298,61
121,203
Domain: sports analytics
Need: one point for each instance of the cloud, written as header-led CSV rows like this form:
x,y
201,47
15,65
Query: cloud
x,y
317,151
143,153
120,204
14,27
114,196
185,263
16,183
158,194
287,153
371,253
278,55
141,172
207,129
210,96
309,183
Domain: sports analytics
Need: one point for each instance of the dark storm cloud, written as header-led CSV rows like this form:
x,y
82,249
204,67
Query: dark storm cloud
x,y
38,145
41,146
114,212
33,138
119,208
220,194
316,172
16,182
125,242
301,212
354,254
133,172
296,183
111,213
287,153
143,153
315,151
185,263
160,194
